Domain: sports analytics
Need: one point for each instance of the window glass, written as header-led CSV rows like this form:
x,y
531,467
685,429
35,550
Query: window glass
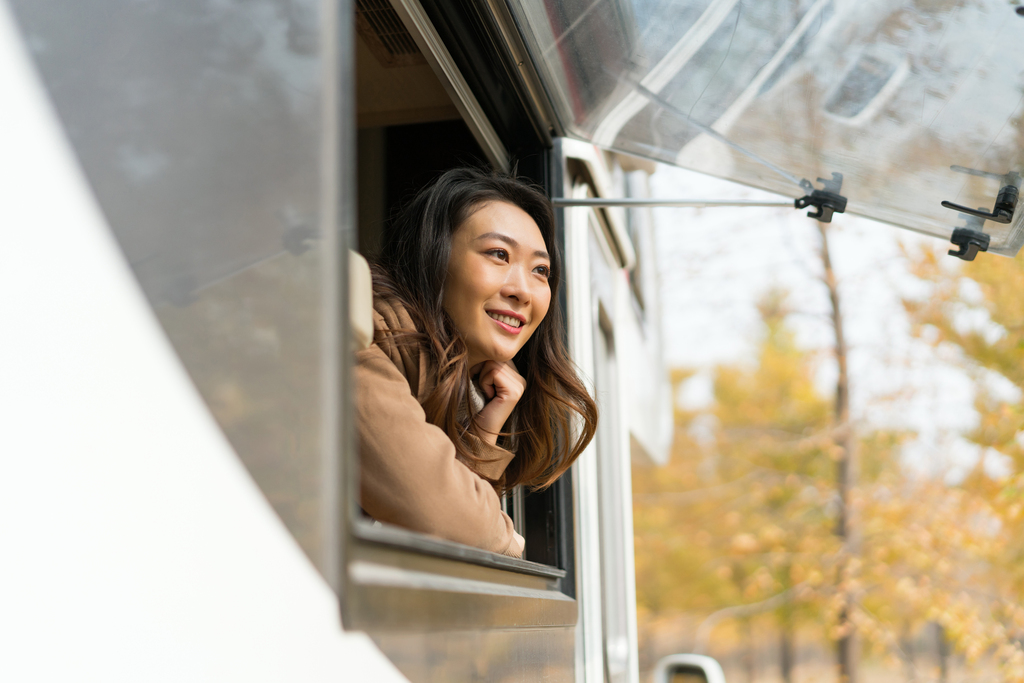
x,y
914,103
687,675
197,124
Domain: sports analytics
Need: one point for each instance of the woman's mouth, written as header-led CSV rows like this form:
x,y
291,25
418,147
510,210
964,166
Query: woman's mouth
x,y
507,322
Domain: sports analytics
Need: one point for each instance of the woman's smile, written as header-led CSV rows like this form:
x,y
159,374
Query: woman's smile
x,y
497,291
508,320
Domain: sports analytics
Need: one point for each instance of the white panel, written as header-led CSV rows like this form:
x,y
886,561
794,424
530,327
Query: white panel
x,y
135,545
581,314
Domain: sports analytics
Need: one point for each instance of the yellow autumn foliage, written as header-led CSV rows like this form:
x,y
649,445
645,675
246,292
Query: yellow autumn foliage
x,y
745,513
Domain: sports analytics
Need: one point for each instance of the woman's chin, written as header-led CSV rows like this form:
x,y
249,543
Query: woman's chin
x,y
495,352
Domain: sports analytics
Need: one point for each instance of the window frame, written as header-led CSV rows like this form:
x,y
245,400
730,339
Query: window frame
x,y
475,588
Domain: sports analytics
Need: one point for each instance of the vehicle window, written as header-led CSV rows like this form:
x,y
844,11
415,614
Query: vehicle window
x,y
395,162
912,103
198,127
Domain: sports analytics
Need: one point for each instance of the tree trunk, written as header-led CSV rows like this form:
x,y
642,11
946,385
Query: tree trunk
x,y
846,650
748,652
942,649
786,660
907,654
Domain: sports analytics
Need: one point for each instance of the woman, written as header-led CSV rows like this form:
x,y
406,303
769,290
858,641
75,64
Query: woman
x,y
467,390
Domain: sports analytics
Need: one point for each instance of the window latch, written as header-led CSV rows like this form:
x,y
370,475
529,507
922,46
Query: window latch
x,y
1006,200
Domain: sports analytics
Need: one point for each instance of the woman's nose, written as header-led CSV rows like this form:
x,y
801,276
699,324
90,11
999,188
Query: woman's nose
x,y
515,286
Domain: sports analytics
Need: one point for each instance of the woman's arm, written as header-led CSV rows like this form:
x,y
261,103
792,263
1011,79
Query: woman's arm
x,y
409,474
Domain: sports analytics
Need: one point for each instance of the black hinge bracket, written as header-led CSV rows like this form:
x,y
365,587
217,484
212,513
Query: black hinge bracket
x,y
969,237
826,200
970,242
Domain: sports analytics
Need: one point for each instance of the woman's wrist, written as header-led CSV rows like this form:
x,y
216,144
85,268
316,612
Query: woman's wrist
x,y
485,435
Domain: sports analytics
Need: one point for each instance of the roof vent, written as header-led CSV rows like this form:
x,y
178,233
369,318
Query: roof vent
x,y
385,34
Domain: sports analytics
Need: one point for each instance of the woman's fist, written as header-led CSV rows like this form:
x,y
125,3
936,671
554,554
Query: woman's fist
x,y
502,387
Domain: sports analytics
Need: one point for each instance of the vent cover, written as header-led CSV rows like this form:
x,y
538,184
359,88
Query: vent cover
x,y
385,34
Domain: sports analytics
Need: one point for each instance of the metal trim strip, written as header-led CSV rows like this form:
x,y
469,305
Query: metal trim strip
x,y
366,573
420,543
512,36
440,60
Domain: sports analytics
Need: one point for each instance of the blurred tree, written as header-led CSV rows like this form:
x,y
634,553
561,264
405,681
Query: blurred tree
x,y
976,309
741,521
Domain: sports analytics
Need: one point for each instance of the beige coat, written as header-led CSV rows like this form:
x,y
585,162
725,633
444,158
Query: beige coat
x,y
409,474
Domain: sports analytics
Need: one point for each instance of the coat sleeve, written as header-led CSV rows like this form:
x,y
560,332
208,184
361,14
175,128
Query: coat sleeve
x,y
409,475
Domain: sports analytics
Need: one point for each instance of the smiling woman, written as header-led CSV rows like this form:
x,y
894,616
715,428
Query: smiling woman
x,y
467,390
498,289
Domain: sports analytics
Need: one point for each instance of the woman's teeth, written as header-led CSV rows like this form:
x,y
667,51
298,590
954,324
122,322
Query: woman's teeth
x,y
512,322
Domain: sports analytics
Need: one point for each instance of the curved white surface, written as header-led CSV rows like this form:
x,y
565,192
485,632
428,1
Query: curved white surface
x,y
712,669
133,544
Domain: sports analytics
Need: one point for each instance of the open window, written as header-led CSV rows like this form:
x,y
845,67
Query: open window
x,y
777,94
417,119
432,108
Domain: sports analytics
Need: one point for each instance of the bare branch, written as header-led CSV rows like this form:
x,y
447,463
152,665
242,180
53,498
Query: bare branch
x,y
738,612
694,494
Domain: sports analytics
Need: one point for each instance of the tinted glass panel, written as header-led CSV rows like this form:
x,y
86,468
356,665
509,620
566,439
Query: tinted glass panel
x,y
197,123
687,675
913,102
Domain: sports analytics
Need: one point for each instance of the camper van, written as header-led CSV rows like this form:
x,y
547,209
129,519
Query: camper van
x,y
191,193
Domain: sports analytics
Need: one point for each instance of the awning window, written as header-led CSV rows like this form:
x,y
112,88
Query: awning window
x,y
913,103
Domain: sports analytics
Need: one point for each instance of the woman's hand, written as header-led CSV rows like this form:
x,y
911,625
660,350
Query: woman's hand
x,y
502,387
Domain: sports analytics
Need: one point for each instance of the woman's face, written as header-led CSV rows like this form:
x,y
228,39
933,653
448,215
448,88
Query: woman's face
x,y
497,290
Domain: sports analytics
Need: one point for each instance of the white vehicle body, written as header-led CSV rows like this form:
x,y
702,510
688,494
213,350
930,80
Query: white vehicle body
x,y
182,183
136,545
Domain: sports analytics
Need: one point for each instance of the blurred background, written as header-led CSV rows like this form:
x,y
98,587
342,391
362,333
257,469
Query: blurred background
x,y
775,324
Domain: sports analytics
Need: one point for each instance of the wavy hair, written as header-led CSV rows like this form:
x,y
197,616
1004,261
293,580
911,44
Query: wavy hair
x,y
556,418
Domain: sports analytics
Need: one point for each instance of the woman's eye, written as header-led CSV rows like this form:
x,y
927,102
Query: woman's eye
x,y
543,270
498,253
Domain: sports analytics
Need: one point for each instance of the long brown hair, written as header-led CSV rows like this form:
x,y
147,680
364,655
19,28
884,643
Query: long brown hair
x,y
412,268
